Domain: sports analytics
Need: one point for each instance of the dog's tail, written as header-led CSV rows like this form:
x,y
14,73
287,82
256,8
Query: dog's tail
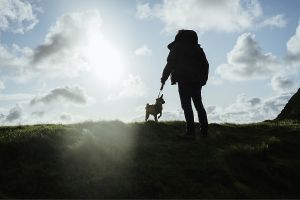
x,y
147,106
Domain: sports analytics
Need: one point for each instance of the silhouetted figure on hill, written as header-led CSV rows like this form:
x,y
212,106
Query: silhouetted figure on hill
x,y
188,67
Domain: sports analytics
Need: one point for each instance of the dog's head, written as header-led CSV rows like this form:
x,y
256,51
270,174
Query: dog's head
x,y
160,100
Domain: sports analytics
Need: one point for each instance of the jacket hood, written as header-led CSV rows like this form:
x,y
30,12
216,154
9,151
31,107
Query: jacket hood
x,y
188,37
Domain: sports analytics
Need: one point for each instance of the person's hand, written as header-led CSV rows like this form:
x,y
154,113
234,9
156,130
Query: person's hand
x,y
162,81
162,86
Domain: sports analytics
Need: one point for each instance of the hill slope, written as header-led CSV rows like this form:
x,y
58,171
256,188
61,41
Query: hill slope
x,y
292,109
146,160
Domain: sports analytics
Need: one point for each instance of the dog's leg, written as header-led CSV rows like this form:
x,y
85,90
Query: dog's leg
x,y
159,115
155,118
147,116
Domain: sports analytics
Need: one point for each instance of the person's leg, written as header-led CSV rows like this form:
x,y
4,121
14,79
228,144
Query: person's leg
x,y
185,94
196,96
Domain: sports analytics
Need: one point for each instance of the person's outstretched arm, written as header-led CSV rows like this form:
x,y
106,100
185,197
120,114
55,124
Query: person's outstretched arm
x,y
166,73
171,60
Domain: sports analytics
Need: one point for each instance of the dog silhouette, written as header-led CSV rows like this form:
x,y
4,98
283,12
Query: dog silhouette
x,y
155,109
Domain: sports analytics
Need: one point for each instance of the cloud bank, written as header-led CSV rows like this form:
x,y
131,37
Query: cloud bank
x,y
73,45
17,16
247,61
282,83
235,15
13,57
293,48
12,115
275,21
65,94
62,52
252,109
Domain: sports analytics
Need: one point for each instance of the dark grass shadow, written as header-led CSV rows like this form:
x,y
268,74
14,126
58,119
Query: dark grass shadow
x,y
111,159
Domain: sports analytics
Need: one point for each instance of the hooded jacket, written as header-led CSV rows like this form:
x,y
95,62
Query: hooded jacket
x,y
186,63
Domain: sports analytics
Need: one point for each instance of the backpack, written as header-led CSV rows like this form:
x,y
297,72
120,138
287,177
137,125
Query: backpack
x,y
189,66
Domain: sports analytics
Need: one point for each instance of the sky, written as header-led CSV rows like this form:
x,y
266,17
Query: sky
x,y
65,61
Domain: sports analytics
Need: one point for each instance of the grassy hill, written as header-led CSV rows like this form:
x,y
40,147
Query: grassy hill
x,y
291,110
147,160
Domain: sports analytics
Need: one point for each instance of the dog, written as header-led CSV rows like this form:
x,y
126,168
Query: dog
x,y
155,109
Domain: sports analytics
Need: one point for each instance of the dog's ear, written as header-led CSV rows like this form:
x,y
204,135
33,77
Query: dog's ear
x,y
162,96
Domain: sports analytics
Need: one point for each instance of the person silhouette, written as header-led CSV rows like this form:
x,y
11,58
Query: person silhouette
x,y
188,66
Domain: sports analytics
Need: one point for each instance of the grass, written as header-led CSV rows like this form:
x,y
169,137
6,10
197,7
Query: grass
x,y
111,159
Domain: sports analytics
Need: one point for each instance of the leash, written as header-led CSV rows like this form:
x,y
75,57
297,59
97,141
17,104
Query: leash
x,y
161,88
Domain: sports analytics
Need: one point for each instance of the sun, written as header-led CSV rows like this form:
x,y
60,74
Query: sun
x,y
103,57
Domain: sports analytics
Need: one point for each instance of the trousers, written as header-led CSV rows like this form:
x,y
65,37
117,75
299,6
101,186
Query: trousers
x,y
187,93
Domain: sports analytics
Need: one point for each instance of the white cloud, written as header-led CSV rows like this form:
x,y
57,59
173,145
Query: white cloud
x,y
13,57
62,53
17,16
68,94
249,109
6,57
243,109
293,48
133,87
51,116
55,113
229,15
275,21
2,86
274,105
282,83
74,44
172,115
143,51
14,114
214,80
247,61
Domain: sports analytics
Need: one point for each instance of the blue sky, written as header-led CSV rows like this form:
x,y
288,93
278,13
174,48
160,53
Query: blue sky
x,y
65,61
